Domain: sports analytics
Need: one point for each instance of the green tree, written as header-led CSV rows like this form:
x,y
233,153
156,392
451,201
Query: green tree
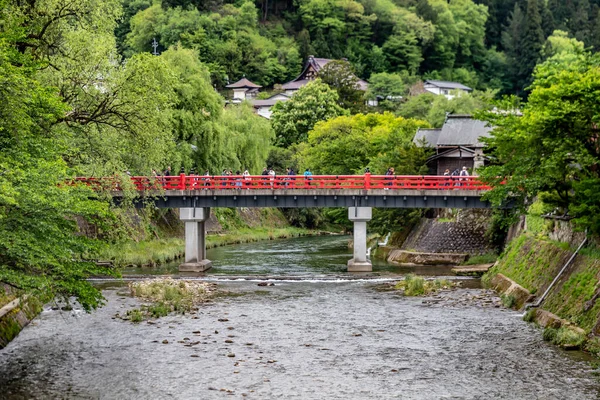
x,y
389,88
248,138
552,150
339,75
531,44
348,144
41,252
293,119
434,108
196,112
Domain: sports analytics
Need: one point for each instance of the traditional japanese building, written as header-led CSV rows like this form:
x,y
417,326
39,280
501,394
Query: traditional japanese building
x,y
448,89
263,107
457,144
243,90
311,72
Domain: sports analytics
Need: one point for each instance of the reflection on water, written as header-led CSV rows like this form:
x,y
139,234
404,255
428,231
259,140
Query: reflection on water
x,y
321,255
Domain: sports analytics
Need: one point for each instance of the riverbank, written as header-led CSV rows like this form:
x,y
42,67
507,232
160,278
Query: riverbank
x,y
532,261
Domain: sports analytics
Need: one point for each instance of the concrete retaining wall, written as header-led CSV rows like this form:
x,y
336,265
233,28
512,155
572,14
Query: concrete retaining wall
x,y
466,234
413,258
508,287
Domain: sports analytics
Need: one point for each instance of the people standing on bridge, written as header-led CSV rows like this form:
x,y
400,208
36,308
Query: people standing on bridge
x,y
307,177
265,173
206,179
286,179
272,176
389,173
292,173
167,171
448,178
247,179
463,172
238,179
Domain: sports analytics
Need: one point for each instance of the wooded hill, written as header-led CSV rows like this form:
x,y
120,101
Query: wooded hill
x,y
483,43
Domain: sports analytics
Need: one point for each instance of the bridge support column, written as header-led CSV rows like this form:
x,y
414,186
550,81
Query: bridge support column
x,y
360,216
195,239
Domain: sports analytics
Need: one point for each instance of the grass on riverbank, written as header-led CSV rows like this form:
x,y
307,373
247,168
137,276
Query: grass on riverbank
x,y
155,252
488,258
168,295
145,253
248,235
564,337
413,285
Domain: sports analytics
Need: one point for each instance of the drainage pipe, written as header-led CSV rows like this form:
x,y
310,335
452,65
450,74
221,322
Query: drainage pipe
x,y
541,299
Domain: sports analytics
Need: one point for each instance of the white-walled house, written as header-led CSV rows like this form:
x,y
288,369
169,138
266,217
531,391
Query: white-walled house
x,y
243,90
448,89
263,107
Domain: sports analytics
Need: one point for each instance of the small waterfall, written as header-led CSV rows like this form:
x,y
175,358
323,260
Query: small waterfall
x,y
384,243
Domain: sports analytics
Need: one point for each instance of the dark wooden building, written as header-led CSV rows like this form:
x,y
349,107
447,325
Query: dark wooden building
x,y
457,144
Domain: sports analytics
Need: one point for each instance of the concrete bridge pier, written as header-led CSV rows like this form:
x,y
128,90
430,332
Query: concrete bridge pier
x,y
360,216
195,239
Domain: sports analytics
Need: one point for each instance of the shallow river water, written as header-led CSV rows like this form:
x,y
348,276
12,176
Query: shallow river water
x,y
323,338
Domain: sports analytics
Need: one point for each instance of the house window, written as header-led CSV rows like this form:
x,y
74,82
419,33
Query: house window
x,y
445,91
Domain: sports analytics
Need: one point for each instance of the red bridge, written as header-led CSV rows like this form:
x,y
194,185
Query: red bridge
x,y
195,195
387,191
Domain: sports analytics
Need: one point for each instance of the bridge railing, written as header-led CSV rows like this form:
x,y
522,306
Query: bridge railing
x,y
367,181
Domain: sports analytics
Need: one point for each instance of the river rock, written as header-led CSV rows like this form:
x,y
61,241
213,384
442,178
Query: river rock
x,y
165,341
404,257
509,287
547,319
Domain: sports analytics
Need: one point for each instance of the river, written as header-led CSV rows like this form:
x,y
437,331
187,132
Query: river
x,y
316,334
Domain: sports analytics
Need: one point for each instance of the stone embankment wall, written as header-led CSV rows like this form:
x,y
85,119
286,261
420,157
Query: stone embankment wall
x,y
465,233
534,260
15,313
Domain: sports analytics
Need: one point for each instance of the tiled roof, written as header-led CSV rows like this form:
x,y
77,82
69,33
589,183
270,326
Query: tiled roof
x,y
448,85
463,130
430,135
295,84
243,83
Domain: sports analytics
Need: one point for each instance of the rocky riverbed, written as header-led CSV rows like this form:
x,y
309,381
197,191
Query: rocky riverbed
x,y
295,340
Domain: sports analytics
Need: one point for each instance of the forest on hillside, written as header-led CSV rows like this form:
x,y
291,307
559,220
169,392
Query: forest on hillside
x,y
485,44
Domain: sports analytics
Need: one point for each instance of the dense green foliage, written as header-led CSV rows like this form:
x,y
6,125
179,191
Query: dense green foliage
x,y
497,42
347,144
293,119
553,148
71,106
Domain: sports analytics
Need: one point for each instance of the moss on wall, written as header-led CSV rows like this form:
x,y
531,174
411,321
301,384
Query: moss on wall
x,y
533,262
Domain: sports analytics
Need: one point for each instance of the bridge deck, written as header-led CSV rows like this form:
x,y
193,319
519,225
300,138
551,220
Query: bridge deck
x,y
287,198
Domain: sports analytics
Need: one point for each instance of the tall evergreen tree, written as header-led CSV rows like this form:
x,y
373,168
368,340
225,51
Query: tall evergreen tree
x,y
548,24
531,44
579,23
511,42
595,34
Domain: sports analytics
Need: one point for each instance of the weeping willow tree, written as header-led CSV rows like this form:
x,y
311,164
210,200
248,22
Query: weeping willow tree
x,y
248,138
